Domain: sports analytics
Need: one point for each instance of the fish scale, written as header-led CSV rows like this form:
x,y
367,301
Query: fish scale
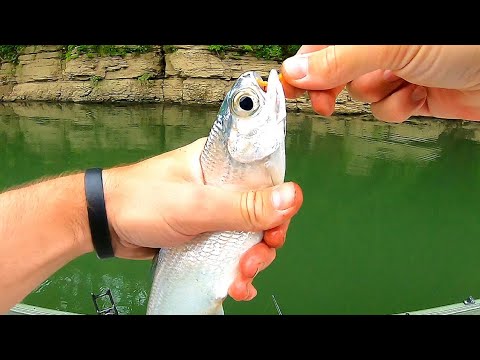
x,y
194,278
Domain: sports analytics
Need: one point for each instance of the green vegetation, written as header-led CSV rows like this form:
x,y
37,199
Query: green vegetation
x,y
268,52
73,51
146,78
169,48
94,79
10,53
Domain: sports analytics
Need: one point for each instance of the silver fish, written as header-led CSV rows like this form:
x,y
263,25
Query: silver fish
x,y
245,150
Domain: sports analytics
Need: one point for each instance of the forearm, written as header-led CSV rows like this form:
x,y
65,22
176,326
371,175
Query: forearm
x,y
42,227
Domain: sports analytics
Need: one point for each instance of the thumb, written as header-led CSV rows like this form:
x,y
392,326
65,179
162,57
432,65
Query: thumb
x,y
249,210
337,65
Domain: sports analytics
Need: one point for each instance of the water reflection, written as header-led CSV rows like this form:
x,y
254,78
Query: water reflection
x,y
388,223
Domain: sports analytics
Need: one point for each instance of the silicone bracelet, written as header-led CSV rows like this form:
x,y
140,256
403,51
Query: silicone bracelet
x,y
97,213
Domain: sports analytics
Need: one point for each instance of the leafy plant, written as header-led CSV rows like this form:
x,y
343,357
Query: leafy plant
x,y
91,51
169,48
94,79
268,52
145,79
10,53
220,49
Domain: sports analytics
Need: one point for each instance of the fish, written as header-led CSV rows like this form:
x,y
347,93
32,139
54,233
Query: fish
x,y
244,150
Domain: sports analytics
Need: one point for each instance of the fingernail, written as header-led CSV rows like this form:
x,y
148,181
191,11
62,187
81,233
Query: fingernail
x,y
296,66
419,93
247,288
389,76
283,196
252,295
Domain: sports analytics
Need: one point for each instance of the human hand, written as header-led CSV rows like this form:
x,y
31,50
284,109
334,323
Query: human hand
x,y
398,80
163,202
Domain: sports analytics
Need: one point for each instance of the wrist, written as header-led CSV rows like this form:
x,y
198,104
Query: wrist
x,y
111,195
82,239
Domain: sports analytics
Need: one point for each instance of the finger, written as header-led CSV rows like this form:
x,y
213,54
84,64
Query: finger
x,y
374,86
256,259
425,111
323,101
305,49
291,92
340,64
400,105
242,290
244,210
239,290
251,263
275,237
252,292
138,253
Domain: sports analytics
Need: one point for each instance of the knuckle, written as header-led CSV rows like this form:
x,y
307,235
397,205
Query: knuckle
x,y
252,209
328,65
397,56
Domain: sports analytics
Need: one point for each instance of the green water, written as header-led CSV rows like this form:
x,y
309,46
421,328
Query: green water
x,y
389,222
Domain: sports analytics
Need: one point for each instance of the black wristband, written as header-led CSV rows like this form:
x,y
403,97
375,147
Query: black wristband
x,y
97,213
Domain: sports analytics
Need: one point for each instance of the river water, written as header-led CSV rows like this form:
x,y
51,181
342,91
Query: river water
x,y
389,222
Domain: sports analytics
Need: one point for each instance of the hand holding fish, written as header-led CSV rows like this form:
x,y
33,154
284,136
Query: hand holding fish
x,y
163,202
399,81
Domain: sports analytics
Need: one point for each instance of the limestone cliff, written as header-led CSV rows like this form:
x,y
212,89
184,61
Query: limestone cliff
x,y
190,74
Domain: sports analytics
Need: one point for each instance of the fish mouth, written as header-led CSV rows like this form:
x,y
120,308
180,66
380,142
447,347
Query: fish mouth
x,y
264,83
275,97
275,94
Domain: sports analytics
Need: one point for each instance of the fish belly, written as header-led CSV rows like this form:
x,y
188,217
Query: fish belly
x,y
194,279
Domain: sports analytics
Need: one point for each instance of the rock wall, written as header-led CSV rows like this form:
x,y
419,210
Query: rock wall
x,y
190,74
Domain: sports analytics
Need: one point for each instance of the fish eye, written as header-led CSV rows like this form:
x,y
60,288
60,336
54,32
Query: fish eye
x,y
245,103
